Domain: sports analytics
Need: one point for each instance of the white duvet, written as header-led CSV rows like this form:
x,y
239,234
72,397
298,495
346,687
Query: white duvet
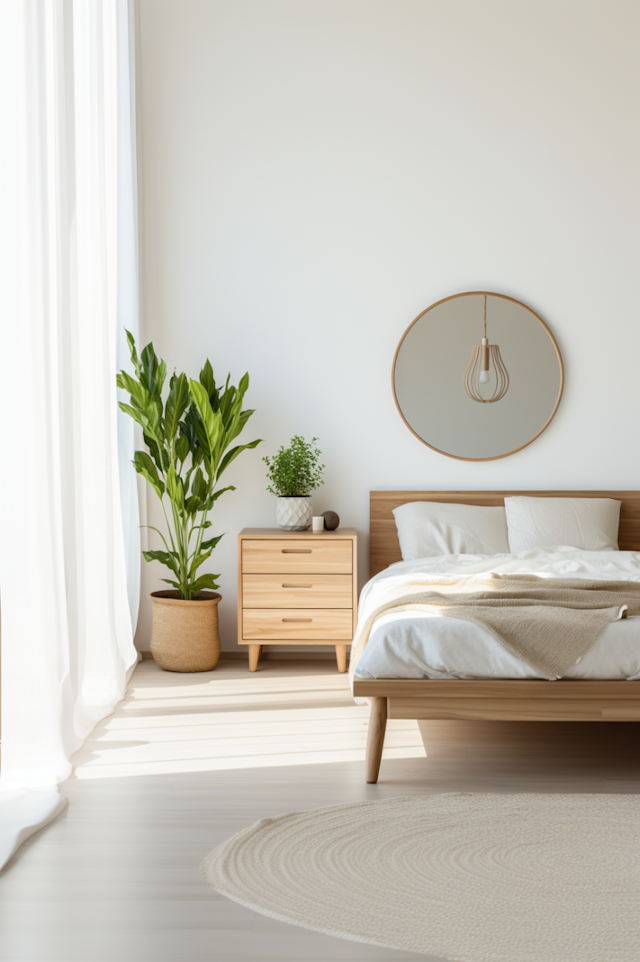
x,y
413,644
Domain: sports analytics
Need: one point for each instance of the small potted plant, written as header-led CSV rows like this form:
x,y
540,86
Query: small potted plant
x,y
188,438
293,473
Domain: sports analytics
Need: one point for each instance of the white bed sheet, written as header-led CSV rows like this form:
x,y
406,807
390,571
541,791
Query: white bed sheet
x,y
417,645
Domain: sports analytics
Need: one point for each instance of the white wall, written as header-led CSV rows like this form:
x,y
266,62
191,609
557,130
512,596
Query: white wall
x,y
314,174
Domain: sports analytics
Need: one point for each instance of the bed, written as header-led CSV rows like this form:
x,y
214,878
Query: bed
x,y
506,699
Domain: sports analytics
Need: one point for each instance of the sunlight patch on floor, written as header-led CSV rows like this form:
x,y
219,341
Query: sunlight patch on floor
x,y
225,720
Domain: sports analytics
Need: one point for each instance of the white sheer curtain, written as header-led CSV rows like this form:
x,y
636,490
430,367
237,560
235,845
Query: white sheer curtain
x,y
69,543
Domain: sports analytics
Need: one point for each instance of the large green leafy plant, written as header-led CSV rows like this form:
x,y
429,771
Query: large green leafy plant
x,y
295,471
188,438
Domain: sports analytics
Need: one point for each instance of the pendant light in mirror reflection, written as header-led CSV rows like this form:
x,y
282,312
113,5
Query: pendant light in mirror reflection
x,y
449,403
485,359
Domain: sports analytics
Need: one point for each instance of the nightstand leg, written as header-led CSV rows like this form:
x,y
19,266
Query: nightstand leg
x,y
254,656
341,657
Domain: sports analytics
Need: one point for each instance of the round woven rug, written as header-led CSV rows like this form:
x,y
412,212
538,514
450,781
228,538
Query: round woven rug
x,y
472,878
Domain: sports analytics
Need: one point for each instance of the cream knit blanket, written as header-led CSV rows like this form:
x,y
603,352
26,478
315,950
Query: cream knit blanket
x,y
549,623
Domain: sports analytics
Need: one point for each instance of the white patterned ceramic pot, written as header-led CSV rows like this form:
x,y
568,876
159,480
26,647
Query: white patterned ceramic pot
x,y
294,514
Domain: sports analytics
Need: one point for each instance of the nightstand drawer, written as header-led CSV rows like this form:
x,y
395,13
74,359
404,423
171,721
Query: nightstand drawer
x,y
291,555
297,591
297,624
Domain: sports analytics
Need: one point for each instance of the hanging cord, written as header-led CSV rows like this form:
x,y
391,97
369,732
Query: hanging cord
x,y
485,315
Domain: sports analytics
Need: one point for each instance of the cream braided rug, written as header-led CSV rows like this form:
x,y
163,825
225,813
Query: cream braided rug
x,y
474,878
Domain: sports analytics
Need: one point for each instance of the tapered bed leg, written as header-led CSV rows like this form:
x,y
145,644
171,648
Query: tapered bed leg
x,y
341,657
375,738
254,656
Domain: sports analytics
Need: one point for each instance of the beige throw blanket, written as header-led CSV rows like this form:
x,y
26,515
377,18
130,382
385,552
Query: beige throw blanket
x,y
549,623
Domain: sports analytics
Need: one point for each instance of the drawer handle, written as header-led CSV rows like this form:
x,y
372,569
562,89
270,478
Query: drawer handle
x,y
297,619
297,586
297,550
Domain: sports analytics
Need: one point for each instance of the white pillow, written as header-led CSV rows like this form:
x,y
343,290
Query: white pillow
x,y
587,523
427,529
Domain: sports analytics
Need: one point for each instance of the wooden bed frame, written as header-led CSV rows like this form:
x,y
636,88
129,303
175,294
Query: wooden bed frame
x,y
501,700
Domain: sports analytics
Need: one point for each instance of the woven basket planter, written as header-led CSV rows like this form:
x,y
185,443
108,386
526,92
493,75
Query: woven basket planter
x,y
185,636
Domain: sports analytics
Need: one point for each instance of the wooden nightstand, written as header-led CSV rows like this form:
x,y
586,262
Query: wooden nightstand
x,y
297,588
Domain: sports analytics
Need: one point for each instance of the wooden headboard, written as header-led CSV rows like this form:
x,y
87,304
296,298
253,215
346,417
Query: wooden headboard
x,y
384,547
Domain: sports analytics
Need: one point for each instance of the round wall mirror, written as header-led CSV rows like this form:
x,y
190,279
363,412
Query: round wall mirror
x,y
477,376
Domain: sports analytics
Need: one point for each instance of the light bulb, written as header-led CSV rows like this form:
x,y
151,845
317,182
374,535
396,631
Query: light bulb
x,y
485,377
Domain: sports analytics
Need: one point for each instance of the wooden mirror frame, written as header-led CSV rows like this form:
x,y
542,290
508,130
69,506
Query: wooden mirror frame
x,y
504,297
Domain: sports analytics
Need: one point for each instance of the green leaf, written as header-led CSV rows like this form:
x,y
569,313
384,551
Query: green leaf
x,y
208,381
149,367
128,383
232,413
244,417
214,497
188,426
198,560
182,447
211,422
212,542
133,413
175,489
145,466
243,386
176,584
172,481
159,454
160,376
202,439
144,404
199,487
227,400
136,411
131,341
177,404
168,558
233,454
204,582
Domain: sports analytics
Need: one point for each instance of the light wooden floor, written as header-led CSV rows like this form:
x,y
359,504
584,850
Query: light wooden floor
x,y
187,760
